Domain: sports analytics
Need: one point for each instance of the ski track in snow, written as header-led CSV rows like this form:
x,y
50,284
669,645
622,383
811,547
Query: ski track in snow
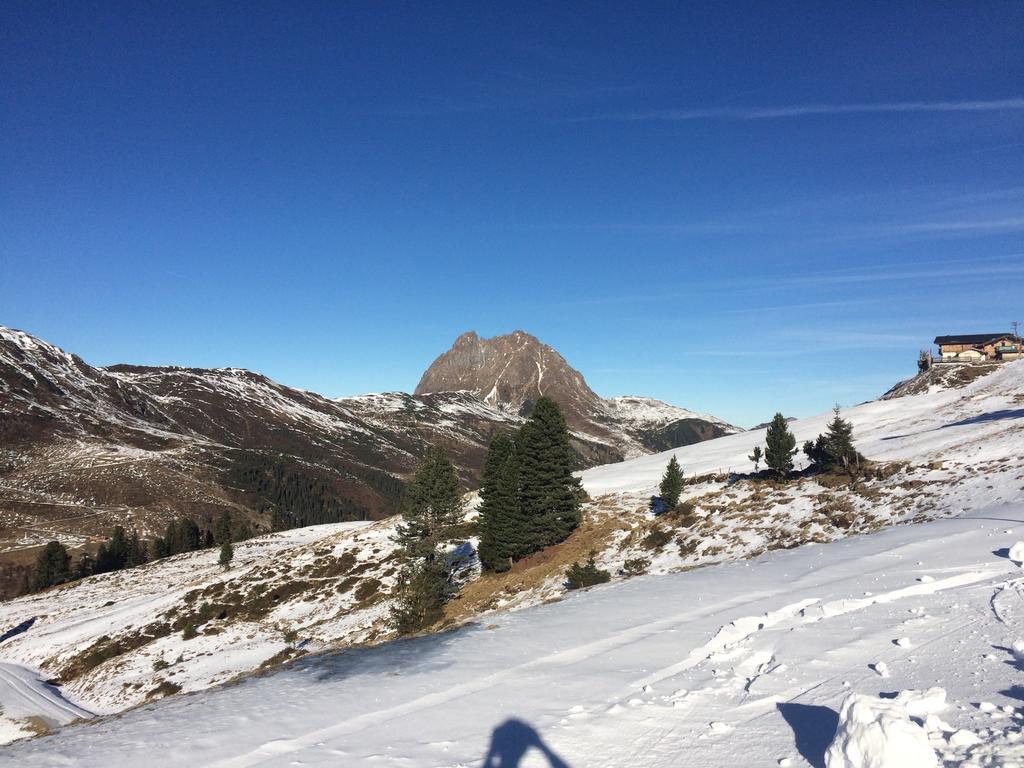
x,y
22,693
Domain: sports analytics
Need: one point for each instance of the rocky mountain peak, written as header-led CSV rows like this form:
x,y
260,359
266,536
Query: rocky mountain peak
x,y
511,371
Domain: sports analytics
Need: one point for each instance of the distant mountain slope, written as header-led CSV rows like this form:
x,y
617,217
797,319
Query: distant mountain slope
x,y
84,448
513,370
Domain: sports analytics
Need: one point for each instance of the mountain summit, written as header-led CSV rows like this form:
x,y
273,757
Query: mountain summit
x,y
512,371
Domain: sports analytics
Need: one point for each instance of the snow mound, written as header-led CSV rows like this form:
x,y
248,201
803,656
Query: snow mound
x,y
1017,553
1018,651
920,704
878,733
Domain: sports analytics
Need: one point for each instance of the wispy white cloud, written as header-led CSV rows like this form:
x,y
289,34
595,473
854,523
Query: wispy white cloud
x,y
964,270
783,343
938,227
820,305
974,270
807,110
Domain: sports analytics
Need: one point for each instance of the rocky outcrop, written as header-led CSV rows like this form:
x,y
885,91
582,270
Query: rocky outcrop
x,y
513,370
941,376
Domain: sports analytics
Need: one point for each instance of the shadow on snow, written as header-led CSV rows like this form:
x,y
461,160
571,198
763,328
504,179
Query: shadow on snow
x,y
510,742
1016,413
813,729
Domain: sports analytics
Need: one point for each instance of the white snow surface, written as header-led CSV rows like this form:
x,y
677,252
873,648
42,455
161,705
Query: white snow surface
x,y
24,694
742,662
632,673
645,411
918,426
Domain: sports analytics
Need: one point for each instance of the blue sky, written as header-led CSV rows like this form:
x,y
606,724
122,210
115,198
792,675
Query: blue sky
x,y
738,208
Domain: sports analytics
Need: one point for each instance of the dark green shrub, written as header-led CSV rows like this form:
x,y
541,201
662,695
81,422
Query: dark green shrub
x,y
587,575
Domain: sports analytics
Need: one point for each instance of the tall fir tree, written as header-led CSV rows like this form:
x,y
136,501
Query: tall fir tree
x,y
780,446
53,566
549,495
222,528
431,509
112,555
839,442
227,554
422,590
136,552
671,483
189,537
163,546
501,525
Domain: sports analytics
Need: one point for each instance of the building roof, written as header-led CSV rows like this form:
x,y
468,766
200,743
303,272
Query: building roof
x,y
972,338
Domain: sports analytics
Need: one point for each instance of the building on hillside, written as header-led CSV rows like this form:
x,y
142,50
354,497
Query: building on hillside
x,y
975,347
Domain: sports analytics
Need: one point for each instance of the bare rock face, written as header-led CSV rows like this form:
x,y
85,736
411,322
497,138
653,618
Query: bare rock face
x,y
511,372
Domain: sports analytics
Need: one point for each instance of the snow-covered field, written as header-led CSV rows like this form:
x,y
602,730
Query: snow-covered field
x,y
971,424
740,664
746,662
145,602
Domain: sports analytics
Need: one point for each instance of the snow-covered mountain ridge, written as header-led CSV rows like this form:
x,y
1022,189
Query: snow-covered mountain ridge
x,y
941,454
84,448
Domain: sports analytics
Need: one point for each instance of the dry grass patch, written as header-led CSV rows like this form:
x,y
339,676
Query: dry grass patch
x,y
596,532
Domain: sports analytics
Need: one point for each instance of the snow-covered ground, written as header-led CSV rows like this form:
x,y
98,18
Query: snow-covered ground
x,y
967,424
745,662
646,411
24,697
67,624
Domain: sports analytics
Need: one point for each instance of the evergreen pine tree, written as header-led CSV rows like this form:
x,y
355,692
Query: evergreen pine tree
x,y
587,575
136,553
756,456
501,526
227,554
189,538
113,554
164,546
817,452
421,590
780,446
222,528
839,442
431,509
549,495
671,483
53,566
86,566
